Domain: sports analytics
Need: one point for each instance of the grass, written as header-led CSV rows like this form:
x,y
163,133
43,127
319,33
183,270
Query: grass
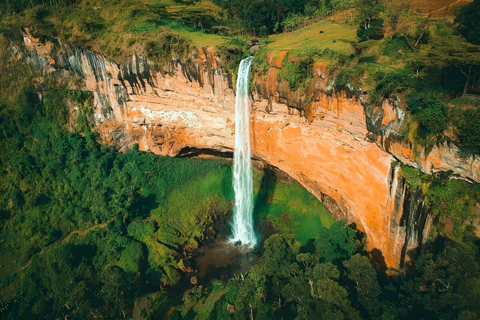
x,y
310,37
117,29
201,40
464,102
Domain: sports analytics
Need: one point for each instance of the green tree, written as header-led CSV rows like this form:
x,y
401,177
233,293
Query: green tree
x,y
338,242
396,16
416,32
430,112
467,22
368,15
454,51
469,135
361,272
442,285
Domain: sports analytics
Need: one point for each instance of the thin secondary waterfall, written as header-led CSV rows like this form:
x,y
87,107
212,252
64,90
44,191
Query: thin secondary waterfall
x,y
242,162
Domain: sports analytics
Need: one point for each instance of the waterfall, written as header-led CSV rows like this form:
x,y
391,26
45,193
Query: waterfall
x,y
242,162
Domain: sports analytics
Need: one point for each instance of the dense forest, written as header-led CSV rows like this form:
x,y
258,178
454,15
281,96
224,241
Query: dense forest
x,y
88,232
386,49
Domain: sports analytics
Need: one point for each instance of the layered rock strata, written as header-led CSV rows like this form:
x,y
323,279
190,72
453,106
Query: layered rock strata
x,y
340,150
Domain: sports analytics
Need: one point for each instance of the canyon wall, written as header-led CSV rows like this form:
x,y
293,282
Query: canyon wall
x,y
339,149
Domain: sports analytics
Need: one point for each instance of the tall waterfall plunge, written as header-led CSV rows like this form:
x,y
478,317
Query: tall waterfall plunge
x,y
242,162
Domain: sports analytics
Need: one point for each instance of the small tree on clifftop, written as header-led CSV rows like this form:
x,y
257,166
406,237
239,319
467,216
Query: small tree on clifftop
x,y
454,51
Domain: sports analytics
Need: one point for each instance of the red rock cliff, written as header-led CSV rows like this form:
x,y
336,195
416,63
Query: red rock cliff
x,y
331,149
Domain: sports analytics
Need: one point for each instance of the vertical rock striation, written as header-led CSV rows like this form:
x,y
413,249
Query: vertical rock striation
x,y
340,149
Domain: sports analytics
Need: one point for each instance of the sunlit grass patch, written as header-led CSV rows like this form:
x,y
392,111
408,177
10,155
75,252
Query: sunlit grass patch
x,y
321,35
290,208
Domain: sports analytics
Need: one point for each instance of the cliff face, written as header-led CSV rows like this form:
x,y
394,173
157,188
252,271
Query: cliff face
x,y
339,150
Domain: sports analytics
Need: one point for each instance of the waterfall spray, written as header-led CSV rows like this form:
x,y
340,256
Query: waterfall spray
x,y
242,162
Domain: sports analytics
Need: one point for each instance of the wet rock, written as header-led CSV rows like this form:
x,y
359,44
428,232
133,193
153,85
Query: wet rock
x,y
333,143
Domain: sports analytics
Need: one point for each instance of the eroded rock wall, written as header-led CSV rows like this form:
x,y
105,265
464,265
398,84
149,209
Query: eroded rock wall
x,y
338,149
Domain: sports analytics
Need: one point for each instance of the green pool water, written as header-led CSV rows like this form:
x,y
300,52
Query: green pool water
x,y
289,207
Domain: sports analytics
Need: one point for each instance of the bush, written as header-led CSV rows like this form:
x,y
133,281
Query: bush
x,y
373,32
430,112
394,46
233,52
291,73
292,22
469,135
349,76
263,31
388,82
453,199
167,45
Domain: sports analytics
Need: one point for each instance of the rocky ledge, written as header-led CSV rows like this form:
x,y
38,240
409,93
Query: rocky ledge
x,y
339,149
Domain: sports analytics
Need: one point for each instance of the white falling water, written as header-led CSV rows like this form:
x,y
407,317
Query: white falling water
x,y
242,162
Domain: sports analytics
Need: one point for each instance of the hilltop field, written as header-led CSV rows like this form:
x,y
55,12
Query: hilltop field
x,y
88,232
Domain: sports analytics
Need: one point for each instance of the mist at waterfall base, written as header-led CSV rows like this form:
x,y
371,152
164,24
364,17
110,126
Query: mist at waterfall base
x,y
274,203
230,256
243,231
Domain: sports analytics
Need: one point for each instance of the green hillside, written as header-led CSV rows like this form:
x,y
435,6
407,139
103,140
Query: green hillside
x,y
88,232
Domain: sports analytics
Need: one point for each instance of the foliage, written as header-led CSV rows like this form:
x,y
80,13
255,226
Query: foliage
x,y
302,285
296,72
371,30
469,136
347,75
168,44
296,283
96,230
368,16
448,51
361,272
293,21
338,242
263,32
396,16
276,15
430,111
113,26
416,33
413,177
467,22
72,211
449,200
445,283
233,52
388,83
453,200
291,73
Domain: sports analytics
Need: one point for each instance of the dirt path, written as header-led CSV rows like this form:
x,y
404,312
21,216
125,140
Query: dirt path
x,y
66,238
83,232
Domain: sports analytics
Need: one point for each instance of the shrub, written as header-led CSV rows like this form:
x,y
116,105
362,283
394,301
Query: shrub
x,y
469,135
263,32
349,76
292,22
291,73
388,82
233,52
373,31
167,45
453,199
413,177
430,112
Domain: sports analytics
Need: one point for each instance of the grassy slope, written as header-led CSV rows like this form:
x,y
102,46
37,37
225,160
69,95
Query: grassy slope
x,y
310,37
118,29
